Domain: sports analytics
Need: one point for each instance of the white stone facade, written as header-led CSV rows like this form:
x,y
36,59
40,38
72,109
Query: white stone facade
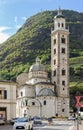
x,y
37,94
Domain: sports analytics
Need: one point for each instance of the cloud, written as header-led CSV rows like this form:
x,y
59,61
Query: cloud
x,y
24,18
3,35
17,26
3,28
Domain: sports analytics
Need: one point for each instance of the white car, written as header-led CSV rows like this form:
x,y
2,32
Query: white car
x,y
23,124
13,120
71,118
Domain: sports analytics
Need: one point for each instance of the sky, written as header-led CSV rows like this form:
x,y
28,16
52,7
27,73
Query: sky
x,y
13,13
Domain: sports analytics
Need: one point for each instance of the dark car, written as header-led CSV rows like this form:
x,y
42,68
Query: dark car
x,y
37,120
13,120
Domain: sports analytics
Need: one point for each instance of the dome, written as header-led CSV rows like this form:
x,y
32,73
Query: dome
x,y
46,92
37,66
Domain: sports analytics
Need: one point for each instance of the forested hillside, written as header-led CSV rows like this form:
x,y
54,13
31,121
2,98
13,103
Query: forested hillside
x,y
33,39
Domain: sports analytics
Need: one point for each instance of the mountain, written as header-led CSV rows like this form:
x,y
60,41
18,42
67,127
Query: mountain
x,y
33,39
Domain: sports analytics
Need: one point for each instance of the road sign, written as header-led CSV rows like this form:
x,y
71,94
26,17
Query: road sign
x,y
78,103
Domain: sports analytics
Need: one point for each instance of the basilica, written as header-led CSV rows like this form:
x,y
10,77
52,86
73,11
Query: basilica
x,y
36,94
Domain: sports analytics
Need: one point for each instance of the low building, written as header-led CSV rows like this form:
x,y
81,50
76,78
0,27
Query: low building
x,y
7,99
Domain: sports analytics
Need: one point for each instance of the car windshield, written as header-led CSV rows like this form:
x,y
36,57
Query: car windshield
x,y
22,120
15,118
36,117
1,118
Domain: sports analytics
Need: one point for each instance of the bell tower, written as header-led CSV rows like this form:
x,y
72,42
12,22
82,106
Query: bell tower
x,y
60,60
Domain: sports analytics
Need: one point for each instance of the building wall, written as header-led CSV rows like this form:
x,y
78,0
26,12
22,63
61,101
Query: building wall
x,y
40,106
63,106
48,107
8,105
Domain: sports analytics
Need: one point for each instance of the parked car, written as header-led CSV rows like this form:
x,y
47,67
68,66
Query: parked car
x,y
2,121
13,120
37,120
71,118
82,117
23,123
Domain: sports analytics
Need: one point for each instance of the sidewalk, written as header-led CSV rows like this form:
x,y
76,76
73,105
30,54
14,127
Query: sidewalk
x,y
73,128
80,127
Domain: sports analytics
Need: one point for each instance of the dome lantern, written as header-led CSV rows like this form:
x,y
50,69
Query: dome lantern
x,y
37,66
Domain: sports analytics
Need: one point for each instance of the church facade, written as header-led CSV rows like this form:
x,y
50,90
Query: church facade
x,y
36,94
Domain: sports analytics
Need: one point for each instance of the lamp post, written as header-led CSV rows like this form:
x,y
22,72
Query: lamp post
x,y
77,118
77,106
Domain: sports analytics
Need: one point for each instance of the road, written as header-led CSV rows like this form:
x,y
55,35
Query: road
x,y
5,127
57,125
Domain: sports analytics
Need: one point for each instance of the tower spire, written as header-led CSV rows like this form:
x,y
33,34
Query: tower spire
x,y
59,11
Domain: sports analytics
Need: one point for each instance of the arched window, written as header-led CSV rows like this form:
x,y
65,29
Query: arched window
x,y
62,25
54,61
63,72
63,82
63,110
33,103
54,73
54,41
58,24
54,51
62,40
63,50
44,102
